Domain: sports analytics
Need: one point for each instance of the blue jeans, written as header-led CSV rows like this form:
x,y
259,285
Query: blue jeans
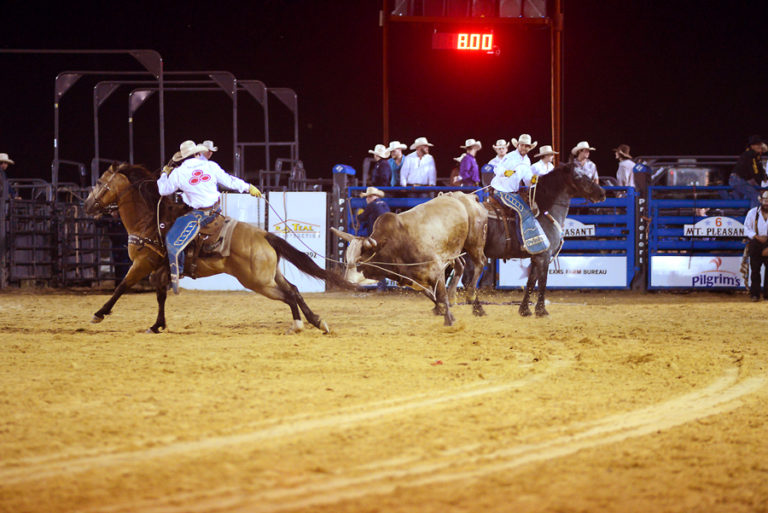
x,y
742,189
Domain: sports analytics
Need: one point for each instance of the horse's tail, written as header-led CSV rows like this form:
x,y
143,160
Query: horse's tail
x,y
305,264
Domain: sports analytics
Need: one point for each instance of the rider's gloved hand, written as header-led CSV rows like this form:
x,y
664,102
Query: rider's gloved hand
x,y
509,172
167,169
253,191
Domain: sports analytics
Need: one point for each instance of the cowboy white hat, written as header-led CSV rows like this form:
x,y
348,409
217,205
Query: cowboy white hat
x,y
188,148
380,150
421,141
459,158
583,145
471,142
4,158
372,191
397,145
209,144
501,143
545,150
524,139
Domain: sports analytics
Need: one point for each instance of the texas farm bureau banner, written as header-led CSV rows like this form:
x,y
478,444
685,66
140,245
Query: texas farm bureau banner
x,y
242,207
699,272
569,272
300,218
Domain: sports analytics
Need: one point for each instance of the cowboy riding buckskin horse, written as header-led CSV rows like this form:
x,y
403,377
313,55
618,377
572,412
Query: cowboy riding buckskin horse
x,y
253,258
554,191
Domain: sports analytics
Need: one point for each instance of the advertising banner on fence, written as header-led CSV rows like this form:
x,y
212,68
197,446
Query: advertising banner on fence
x,y
300,218
699,272
242,207
569,272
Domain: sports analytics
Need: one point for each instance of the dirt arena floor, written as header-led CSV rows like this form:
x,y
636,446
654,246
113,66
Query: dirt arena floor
x,y
617,402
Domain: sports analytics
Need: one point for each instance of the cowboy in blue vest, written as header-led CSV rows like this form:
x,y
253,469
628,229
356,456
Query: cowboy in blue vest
x,y
197,179
512,169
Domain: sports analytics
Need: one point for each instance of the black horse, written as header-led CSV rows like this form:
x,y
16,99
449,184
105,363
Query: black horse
x,y
553,197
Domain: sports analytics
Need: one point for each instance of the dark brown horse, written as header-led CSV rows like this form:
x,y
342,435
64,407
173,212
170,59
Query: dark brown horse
x,y
253,258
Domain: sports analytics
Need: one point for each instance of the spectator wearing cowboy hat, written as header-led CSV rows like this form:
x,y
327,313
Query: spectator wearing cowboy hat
x,y
580,157
544,165
396,161
375,206
418,166
381,176
625,174
6,161
501,147
468,170
756,230
748,172
197,179
211,148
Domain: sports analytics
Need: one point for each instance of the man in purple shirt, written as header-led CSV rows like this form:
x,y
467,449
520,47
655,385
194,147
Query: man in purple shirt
x,y
468,170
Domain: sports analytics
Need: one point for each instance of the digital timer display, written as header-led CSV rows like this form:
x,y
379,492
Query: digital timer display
x,y
465,41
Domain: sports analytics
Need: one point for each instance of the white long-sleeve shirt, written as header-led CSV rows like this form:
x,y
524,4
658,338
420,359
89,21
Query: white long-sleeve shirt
x,y
625,174
752,228
521,167
197,179
541,168
418,171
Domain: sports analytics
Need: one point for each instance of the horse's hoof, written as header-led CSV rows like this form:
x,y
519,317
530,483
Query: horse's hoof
x,y
154,329
525,313
96,319
296,327
541,313
324,327
478,311
449,321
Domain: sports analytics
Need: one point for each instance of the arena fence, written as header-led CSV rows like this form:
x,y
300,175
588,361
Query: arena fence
x,y
696,238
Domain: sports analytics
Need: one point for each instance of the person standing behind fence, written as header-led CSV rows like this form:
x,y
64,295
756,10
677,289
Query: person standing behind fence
x,y
381,176
419,166
468,170
396,161
756,229
748,172
211,148
580,155
6,161
375,206
544,165
625,174
501,147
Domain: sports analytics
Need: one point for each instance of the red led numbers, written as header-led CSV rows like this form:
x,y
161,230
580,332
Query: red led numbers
x,y
198,176
468,41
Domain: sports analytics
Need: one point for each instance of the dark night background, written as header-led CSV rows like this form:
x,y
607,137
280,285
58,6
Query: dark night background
x,y
684,77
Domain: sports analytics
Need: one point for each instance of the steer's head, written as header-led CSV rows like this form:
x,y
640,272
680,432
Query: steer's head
x,y
360,249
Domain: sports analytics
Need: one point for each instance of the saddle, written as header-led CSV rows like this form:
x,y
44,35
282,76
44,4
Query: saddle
x,y
214,239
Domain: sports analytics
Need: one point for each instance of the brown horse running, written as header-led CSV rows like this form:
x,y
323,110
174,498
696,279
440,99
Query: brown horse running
x,y
253,259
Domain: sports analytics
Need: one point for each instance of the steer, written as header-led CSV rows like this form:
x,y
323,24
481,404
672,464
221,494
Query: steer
x,y
415,247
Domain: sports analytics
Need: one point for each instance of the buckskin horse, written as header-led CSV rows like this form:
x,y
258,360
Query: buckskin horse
x,y
253,258
553,198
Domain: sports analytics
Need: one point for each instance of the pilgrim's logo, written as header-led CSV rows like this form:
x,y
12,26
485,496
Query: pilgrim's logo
x,y
716,277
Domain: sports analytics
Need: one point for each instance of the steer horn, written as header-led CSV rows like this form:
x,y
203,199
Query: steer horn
x,y
370,243
343,235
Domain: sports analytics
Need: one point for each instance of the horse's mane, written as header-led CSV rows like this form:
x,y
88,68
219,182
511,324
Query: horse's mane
x,y
551,185
144,180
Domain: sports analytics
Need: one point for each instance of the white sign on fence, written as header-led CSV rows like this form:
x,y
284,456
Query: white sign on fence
x,y
719,226
573,228
300,218
703,272
242,207
569,272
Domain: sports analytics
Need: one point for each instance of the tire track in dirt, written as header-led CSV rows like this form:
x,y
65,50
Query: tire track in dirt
x,y
284,427
385,477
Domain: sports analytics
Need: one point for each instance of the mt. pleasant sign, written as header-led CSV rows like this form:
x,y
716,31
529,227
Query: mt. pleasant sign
x,y
719,226
574,228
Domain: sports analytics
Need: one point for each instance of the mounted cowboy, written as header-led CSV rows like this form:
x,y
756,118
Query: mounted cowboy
x,y
513,169
197,179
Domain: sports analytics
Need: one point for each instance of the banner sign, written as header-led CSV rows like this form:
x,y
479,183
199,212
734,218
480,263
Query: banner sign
x,y
300,218
699,272
573,228
569,272
242,207
718,226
